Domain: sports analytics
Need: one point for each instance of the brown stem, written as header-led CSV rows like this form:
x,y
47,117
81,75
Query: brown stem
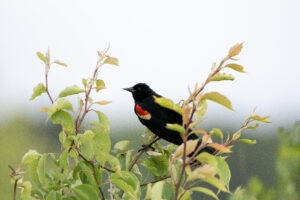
x,y
15,189
14,174
92,163
88,91
46,80
94,173
184,164
155,181
217,70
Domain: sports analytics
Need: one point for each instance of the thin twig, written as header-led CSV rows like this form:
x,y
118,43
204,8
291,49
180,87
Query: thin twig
x,y
88,91
46,84
92,162
94,172
208,79
110,186
15,189
192,98
184,164
133,162
14,174
155,181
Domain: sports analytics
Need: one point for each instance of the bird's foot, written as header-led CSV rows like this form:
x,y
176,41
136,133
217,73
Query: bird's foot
x,y
145,147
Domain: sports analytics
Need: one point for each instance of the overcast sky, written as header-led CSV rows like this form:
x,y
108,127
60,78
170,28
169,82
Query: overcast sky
x,y
168,44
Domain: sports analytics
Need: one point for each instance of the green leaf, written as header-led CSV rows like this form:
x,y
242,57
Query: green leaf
x,y
122,145
168,191
103,102
26,192
190,148
32,172
201,109
59,104
157,165
53,158
202,172
42,57
218,132
65,119
103,123
187,195
176,127
102,158
236,67
101,141
206,158
128,182
237,134
74,89
261,119
168,103
64,161
30,156
223,170
128,159
60,63
85,172
218,98
112,61
84,82
220,147
85,192
156,191
216,182
99,85
87,135
53,196
253,127
222,77
205,191
86,147
38,91
41,169
247,141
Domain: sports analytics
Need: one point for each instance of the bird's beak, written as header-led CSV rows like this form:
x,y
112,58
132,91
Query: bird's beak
x,y
130,89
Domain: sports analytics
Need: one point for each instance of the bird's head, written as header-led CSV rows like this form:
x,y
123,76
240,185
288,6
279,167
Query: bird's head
x,y
140,91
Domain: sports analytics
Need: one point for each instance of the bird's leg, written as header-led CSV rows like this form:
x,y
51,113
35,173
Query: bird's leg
x,y
146,146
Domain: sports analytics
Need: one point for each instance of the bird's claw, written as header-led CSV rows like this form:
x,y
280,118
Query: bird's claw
x,y
145,147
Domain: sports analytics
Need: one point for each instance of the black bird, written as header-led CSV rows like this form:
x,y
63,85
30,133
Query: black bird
x,y
156,117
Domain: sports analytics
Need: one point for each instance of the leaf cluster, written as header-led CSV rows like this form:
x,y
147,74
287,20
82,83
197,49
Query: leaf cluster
x,y
88,167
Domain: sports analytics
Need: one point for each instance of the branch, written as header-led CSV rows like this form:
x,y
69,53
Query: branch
x,y
102,55
14,174
133,162
94,172
93,163
212,74
184,164
46,80
155,181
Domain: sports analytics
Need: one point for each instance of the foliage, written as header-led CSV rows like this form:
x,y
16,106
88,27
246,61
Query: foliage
x,y
88,167
288,172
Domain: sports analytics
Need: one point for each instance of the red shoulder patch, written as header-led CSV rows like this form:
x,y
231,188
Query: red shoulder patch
x,y
140,111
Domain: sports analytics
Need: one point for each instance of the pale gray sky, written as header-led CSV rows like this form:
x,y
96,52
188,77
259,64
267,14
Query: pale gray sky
x,y
168,44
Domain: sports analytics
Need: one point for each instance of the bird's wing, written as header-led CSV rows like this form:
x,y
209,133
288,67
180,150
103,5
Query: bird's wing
x,y
163,114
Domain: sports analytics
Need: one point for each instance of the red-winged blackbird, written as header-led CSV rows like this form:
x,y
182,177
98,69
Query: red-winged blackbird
x,y
156,117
